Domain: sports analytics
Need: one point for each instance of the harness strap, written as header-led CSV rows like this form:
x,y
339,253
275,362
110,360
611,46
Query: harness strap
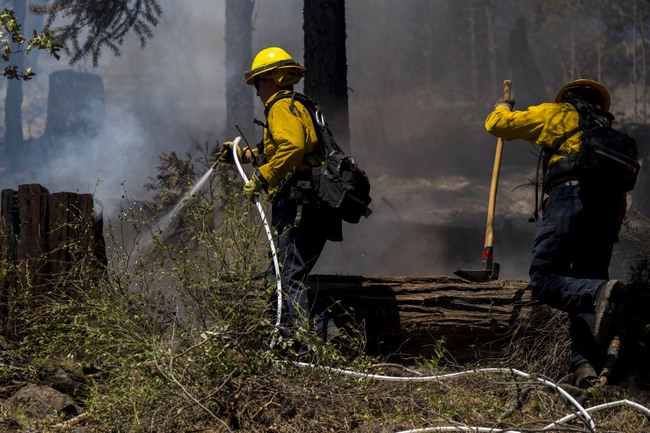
x,y
306,101
545,156
588,115
300,193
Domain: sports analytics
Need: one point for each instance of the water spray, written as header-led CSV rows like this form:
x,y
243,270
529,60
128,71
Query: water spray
x,y
269,235
166,221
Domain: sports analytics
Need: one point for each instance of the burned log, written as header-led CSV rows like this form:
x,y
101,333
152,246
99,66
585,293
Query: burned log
x,y
43,239
407,315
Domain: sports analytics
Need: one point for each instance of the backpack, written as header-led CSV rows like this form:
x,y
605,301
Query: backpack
x,y
341,185
608,158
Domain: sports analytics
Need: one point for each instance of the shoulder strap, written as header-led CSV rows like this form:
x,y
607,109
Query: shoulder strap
x,y
556,146
317,117
276,99
545,155
322,128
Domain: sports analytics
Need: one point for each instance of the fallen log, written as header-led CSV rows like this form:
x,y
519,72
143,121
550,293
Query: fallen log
x,y
409,315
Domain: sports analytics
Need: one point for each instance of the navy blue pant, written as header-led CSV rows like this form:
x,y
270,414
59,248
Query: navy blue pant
x,y
571,257
300,243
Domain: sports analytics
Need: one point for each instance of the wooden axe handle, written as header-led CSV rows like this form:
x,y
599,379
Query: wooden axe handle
x,y
507,85
489,233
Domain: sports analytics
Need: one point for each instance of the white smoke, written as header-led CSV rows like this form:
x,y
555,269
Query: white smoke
x,y
114,162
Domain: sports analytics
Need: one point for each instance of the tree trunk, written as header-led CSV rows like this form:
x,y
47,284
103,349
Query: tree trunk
x,y
75,107
239,36
492,46
411,315
326,61
14,101
523,69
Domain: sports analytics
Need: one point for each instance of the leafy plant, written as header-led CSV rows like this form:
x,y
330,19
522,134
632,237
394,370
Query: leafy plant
x,y
176,332
11,36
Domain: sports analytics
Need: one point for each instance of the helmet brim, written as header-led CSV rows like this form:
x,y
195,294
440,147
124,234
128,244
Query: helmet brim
x,y
250,76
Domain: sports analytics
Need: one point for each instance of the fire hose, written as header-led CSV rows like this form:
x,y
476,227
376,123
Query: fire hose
x,y
269,235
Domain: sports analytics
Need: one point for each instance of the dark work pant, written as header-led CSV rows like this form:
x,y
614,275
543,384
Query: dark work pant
x,y
300,243
571,257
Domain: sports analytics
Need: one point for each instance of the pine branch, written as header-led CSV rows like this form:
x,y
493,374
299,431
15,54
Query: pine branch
x,y
92,26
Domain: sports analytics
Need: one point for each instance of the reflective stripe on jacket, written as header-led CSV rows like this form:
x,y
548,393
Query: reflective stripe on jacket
x,y
289,141
541,124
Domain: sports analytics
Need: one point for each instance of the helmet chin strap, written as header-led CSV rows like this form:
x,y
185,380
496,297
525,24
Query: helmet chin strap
x,y
285,77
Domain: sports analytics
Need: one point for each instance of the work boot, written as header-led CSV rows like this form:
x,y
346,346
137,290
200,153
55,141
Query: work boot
x,y
584,376
606,308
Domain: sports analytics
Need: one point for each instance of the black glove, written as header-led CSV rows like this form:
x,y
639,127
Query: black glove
x,y
227,152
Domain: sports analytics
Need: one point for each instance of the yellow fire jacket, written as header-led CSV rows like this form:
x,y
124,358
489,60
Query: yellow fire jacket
x,y
541,124
290,141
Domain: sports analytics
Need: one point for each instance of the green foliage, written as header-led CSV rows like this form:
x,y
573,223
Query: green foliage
x,y
177,328
169,320
11,36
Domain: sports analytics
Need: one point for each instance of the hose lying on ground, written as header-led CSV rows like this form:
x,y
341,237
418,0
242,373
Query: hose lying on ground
x,y
584,413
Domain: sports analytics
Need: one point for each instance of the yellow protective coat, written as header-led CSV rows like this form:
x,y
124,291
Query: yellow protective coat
x,y
541,124
290,141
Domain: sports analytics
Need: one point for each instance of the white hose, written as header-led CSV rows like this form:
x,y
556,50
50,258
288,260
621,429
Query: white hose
x,y
584,412
599,407
560,390
269,235
460,428
555,424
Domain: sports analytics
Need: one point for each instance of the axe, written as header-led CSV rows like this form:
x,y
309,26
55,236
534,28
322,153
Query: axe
x,y
489,270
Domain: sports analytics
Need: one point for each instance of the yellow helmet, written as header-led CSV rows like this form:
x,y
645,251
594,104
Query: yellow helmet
x,y
277,63
591,90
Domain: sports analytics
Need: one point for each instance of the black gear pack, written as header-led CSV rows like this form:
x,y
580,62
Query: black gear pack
x,y
607,158
340,183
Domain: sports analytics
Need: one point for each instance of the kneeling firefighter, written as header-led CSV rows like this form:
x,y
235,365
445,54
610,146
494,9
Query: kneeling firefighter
x,y
581,220
283,161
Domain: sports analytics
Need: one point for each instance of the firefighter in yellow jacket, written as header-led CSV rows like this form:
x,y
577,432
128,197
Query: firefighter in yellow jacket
x,y
573,246
283,161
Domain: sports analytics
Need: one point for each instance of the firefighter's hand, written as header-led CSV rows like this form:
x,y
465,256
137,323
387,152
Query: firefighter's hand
x,y
227,152
510,103
245,156
254,185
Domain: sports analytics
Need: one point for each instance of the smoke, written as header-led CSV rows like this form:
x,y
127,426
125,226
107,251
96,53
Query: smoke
x,y
108,165
418,98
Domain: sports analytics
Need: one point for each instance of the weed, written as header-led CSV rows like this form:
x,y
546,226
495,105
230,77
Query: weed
x,y
177,324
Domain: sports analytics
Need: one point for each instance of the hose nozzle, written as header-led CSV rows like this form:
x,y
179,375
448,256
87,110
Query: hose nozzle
x,y
222,156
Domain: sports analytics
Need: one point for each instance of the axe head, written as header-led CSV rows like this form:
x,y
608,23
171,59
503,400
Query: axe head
x,y
482,276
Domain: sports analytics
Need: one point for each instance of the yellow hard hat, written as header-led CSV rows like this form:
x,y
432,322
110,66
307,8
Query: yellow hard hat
x,y
590,89
277,63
